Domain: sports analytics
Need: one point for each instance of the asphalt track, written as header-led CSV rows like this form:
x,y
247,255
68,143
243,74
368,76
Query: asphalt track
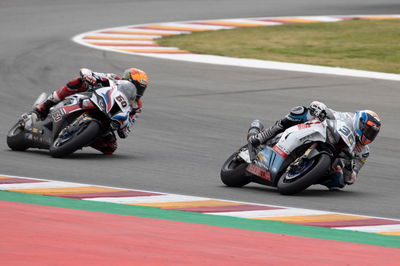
x,y
194,115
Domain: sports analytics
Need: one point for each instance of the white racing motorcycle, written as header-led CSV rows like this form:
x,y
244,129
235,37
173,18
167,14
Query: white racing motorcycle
x,y
73,123
294,160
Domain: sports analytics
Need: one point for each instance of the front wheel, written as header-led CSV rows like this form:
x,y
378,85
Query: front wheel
x,y
16,138
294,182
233,172
73,138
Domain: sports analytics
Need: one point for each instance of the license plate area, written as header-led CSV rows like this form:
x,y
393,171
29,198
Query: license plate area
x,y
258,171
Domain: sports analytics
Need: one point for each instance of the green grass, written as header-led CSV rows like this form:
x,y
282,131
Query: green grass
x,y
358,44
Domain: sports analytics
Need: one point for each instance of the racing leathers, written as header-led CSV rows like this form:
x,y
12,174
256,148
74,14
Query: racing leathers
x,y
107,142
342,172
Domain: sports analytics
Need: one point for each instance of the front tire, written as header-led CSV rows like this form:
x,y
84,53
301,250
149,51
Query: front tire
x,y
289,187
233,172
82,137
16,138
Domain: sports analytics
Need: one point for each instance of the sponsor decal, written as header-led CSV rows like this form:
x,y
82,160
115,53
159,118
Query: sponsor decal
x,y
307,124
57,114
70,108
258,171
280,151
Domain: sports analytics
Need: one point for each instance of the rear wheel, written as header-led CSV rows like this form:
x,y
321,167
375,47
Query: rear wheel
x,y
16,138
295,181
74,137
233,172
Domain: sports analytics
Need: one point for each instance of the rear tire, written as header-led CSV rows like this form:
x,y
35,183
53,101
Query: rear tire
x,y
288,187
233,172
81,139
16,138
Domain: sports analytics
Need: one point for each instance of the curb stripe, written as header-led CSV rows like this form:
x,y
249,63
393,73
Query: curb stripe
x,y
124,193
172,28
159,30
65,190
236,208
180,204
193,204
205,219
5,180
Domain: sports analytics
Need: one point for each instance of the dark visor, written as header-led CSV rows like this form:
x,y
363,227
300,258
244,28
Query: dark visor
x,y
371,132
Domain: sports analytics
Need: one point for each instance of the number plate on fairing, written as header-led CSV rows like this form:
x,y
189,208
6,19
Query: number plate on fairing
x,y
258,171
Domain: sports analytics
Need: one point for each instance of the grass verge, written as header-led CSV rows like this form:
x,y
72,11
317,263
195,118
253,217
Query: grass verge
x,y
357,44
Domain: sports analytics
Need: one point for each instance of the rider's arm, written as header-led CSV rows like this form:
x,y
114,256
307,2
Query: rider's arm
x,y
127,119
351,170
95,78
360,159
297,115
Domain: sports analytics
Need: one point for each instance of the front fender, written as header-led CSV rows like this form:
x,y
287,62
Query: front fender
x,y
316,152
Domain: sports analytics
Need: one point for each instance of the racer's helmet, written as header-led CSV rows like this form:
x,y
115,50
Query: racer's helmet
x,y
138,78
366,126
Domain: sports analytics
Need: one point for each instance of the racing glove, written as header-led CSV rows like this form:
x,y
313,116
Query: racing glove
x,y
137,107
254,140
88,76
318,110
123,132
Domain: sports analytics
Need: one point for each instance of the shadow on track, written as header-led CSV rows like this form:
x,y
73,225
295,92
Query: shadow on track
x,y
313,191
80,155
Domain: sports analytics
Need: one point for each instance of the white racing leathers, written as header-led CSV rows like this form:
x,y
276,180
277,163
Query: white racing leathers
x,y
359,152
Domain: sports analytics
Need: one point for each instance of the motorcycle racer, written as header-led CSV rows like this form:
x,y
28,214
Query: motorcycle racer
x,y
365,125
133,83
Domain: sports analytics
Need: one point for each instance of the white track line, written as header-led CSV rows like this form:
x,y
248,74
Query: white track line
x,y
150,199
50,184
272,213
373,229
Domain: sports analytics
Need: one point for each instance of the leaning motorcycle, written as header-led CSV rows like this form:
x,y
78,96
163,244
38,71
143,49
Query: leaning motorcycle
x,y
294,160
73,123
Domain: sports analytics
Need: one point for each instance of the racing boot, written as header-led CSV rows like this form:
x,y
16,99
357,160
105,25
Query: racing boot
x,y
42,110
266,134
336,180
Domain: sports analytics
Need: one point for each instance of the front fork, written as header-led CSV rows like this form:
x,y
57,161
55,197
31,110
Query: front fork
x,y
299,162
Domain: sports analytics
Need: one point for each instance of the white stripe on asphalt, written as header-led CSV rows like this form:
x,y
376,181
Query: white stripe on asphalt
x,y
50,184
373,229
272,213
149,199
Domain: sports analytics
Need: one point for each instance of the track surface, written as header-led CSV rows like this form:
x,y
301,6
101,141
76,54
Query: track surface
x,y
195,115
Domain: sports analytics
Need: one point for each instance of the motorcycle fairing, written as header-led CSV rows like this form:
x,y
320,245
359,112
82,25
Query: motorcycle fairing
x,y
301,134
106,94
346,133
273,158
105,98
